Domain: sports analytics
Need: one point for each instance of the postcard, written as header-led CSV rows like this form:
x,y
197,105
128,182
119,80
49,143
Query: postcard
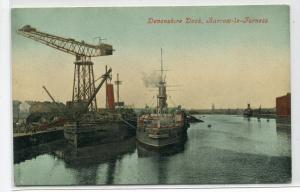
x,y
151,95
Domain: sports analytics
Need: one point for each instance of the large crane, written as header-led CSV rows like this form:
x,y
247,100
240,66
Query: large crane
x,y
83,82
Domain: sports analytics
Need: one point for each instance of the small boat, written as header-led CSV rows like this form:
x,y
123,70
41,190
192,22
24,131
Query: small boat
x,y
248,112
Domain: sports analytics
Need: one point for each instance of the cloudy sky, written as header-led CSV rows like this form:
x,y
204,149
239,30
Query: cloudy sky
x,y
225,64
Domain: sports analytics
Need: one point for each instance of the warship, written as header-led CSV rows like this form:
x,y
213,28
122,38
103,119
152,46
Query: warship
x,y
163,126
144,151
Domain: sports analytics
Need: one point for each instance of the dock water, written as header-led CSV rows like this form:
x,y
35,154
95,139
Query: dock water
x,y
233,150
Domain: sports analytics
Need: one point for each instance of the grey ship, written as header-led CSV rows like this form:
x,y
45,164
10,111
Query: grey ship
x,y
163,127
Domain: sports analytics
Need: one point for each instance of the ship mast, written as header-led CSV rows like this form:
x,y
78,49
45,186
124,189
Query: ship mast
x,y
162,95
161,66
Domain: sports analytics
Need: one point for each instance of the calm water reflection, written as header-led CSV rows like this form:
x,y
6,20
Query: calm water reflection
x,y
233,149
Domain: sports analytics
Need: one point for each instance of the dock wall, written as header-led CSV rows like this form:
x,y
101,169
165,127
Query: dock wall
x,y
28,140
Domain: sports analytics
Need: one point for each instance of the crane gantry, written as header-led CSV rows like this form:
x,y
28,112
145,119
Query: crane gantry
x,y
83,82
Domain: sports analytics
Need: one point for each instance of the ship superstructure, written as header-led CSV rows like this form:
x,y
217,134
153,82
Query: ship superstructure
x,y
164,126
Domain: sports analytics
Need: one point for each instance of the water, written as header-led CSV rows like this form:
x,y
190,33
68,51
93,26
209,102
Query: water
x,y
234,150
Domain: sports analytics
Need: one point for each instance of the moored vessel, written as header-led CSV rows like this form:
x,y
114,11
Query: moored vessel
x,y
163,126
97,128
84,127
248,112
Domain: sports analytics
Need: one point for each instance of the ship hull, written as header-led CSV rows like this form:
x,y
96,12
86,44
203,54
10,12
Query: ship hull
x,y
248,113
148,151
167,137
93,133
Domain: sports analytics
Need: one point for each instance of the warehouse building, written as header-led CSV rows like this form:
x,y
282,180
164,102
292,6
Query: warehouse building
x,y
283,105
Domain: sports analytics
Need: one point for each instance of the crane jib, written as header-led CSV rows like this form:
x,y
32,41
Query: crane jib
x,y
83,80
67,45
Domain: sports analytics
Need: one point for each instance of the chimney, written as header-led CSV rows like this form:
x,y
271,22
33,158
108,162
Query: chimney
x,y
110,96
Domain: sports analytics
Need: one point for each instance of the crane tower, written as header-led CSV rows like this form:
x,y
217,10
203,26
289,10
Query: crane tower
x,y
84,81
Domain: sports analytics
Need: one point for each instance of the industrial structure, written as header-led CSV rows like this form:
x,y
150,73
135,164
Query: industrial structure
x,y
283,105
83,82
16,111
84,123
48,93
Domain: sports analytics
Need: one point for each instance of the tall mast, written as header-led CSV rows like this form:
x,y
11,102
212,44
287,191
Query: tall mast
x,y
118,88
118,83
161,65
162,95
106,98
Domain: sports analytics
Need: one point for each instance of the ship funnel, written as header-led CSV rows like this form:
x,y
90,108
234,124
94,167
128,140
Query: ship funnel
x,y
110,96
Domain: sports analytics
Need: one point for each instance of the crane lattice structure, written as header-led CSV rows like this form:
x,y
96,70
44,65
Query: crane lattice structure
x,y
83,83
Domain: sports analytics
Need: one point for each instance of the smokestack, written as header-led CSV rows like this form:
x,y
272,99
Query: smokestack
x,y
110,96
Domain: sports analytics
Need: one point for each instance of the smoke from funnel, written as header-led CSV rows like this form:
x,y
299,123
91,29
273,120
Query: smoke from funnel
x,y
151,79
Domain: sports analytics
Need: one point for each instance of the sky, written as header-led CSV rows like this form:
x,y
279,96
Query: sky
x,y
229,65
